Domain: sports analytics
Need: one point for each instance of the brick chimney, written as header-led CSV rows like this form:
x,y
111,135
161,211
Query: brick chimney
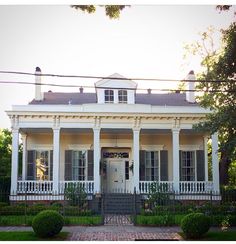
x,y
190,95
38,93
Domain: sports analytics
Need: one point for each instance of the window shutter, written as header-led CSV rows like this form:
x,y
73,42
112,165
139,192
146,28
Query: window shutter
x,y
180,165
142,165
68,165
51,164
90,165
31,169
164,165
200,165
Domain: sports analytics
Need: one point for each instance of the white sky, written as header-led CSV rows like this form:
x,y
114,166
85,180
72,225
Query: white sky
x,y
147,41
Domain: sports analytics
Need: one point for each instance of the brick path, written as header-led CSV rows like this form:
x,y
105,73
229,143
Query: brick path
x,y
117,220
123,236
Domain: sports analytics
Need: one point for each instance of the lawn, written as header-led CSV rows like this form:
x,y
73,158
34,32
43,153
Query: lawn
x,y
29,236
15,220
217,236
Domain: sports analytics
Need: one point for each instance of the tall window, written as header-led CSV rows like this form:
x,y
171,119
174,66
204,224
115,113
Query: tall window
x,y
78,165
42,165
127,170
122,96
109,96
187,166
151,166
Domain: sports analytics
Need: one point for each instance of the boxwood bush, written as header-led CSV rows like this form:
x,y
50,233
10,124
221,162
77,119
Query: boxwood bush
x,y
195,225
47,223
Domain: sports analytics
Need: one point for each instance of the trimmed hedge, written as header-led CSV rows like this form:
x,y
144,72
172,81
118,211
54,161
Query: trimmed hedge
x,y
195,225
47,223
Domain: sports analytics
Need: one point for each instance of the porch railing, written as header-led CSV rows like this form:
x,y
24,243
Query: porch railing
x,y
195,186
34,187
88,186
165,186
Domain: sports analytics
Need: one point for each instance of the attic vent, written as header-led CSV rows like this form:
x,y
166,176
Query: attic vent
x,y
149,91
70,101
49,91
81,89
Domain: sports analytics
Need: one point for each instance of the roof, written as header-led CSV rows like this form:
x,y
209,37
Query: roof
x,y
170,99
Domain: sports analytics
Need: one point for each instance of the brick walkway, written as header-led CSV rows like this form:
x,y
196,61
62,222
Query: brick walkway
x,y
117,220
123,236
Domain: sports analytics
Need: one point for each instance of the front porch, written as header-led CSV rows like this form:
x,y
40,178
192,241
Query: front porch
x,y
113,160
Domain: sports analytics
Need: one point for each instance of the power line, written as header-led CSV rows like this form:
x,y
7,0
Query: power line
x,y
107,77
115,88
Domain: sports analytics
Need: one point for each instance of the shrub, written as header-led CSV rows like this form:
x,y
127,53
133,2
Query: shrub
x,y
47,223
195,225
12,210
3,204
76,195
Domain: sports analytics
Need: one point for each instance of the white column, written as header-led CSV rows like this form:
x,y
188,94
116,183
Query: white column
x,y
14,160
206,157
97,157
175,150
136,133
24,157
56,159
215,163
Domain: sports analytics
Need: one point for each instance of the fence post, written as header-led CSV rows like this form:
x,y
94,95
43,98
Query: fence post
x,y
134,203
25,205
102,207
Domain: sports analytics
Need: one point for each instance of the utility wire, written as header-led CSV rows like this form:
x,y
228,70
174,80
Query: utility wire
x,y
115,88
107,77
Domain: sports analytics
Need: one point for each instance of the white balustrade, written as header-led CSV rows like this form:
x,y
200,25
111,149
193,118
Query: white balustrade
x,y
195,186
34,187
88,186
164,186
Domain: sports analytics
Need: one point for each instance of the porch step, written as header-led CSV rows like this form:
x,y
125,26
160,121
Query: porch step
x,y
118,203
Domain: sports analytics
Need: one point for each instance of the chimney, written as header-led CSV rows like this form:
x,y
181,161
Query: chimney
x,y
190,95
81,89
149,91
38,93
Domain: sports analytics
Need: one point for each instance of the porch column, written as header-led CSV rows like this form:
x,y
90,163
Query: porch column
x,y
136,133
96,156
14,160
175,151
215,163
205,139
56,159
24,153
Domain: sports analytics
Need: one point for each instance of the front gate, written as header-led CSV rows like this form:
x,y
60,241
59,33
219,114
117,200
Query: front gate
x,y
118,208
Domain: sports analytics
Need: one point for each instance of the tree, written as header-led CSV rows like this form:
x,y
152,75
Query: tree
x,y
221,67
5,153
112,11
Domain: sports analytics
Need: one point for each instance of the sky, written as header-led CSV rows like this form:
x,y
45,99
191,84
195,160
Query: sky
x,y
146,41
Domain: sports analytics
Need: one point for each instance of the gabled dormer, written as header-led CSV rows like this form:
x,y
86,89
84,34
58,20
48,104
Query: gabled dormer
x,y
118,90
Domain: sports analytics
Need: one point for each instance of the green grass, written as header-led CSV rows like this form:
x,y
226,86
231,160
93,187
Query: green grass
x,y
77,220
29,236
217,236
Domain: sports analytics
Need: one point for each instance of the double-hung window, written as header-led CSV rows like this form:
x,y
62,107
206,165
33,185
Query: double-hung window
x,y
109,96
187,172
122,96
78,165
151,166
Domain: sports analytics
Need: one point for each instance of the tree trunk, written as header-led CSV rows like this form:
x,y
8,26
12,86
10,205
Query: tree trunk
x,y
224,167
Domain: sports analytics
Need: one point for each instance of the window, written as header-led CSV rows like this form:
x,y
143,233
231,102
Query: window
x,y
109,96
187,172
151,166
42,165
78,165
127,170
122,96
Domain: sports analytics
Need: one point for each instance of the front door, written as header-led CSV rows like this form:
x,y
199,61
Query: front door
x,y
116,176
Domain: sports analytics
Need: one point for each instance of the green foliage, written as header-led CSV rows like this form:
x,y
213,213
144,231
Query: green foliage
x,y
158,195
195,225
164,220
47,223
76,195
112,11
5,153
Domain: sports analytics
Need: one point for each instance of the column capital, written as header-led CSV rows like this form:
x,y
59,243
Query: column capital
x,y
56,129
97,129
175,130
136,129
15,130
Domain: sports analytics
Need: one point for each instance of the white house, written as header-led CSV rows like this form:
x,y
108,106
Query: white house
x,y
113,140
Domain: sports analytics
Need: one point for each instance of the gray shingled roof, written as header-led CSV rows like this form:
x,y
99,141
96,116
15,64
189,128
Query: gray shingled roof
x,y
171,99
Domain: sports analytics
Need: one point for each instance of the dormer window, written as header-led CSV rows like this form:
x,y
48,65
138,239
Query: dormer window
x,y
109,96
122,96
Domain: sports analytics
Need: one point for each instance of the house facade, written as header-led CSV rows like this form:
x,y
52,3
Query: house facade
x,y
113,140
